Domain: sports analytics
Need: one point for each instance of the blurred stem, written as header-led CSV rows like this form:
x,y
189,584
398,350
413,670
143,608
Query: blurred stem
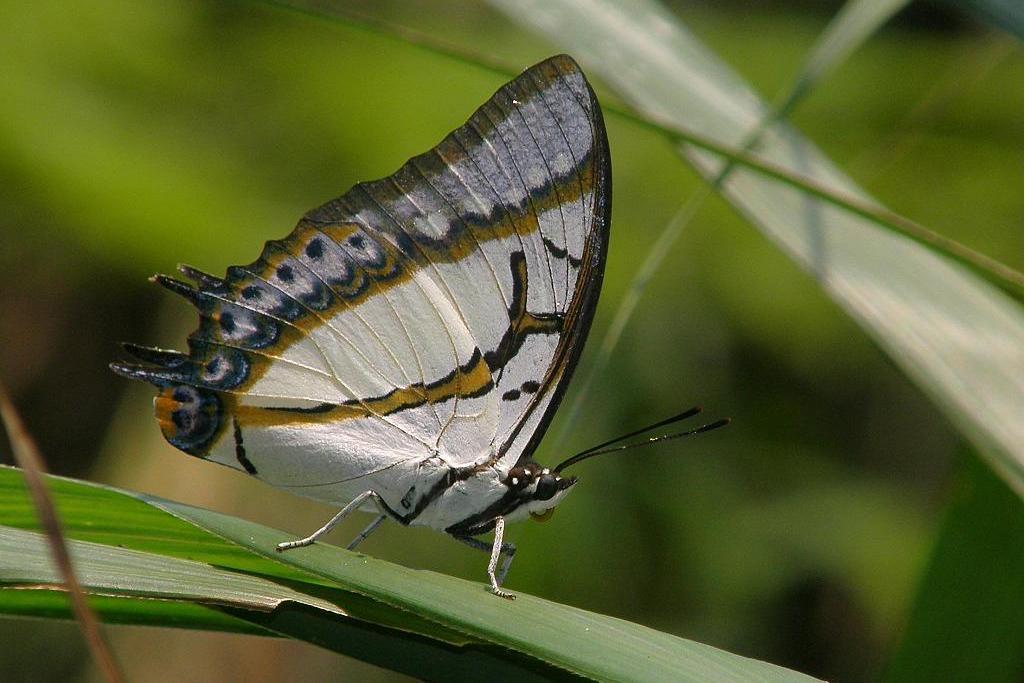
x,y
1005,277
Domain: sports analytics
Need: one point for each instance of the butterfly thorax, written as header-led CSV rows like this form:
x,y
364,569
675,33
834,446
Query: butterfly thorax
x,y
466,502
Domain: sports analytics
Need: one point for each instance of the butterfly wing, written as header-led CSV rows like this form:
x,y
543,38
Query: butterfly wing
x,y
431,318
556,161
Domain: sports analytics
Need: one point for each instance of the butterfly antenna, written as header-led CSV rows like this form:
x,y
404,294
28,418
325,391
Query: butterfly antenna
x,y
603,447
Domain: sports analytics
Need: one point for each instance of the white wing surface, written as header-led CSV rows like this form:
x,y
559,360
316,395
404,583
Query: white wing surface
x,y
424,321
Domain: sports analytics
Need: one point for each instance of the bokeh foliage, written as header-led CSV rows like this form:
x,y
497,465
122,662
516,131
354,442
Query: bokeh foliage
x,y
136,135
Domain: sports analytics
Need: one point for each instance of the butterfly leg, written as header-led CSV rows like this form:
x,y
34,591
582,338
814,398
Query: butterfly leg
x,y
496,553
342,514
366,532
497,549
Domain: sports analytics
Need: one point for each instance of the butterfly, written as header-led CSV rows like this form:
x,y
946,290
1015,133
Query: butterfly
x,y
404,348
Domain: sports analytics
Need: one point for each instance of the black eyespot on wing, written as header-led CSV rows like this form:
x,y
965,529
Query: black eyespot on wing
x,y
369,253
530,387
296,278
327,261
255,294
234,325
190,417
315,248
285,273
226,369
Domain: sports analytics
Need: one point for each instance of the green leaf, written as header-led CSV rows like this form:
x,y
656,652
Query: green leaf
x,y
955,335
966,622
43,603
430,625
378,634
108,570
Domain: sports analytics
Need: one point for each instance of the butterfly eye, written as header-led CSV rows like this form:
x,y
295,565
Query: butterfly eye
x,y
547,486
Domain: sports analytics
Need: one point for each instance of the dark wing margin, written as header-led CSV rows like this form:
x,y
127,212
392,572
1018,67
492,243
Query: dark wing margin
x,y
582,308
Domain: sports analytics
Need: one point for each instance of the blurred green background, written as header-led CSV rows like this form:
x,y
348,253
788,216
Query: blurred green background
x,y
137,135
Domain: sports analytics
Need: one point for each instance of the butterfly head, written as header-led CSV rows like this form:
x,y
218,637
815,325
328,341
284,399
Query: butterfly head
x,y
538,488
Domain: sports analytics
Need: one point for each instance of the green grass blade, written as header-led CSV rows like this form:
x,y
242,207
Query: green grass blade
x,y
108,570
394,649
852,26
955,335
588,644
849,28
439,619
118,520
409,653
966,622
53,604
864,20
